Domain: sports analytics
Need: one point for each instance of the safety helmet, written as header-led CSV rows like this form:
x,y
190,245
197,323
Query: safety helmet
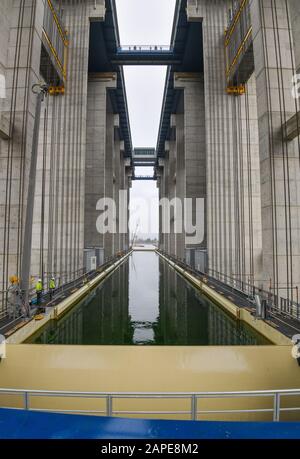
x,y
40,280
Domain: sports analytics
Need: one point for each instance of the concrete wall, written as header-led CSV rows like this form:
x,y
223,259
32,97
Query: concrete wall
x,y
279,159
72,144
192,156
95,169
295,23
184,169
105,166
217,156
20,33
252,172
58,228
109,185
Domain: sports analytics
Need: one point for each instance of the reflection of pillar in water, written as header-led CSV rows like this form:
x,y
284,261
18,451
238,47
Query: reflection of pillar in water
x,y
181,295
159,329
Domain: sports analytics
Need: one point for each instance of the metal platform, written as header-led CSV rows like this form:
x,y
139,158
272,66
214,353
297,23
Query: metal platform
x,y
17,424
146,55
144,177
144,157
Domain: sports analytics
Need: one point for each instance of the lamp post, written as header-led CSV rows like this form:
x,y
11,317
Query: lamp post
x,y
41,91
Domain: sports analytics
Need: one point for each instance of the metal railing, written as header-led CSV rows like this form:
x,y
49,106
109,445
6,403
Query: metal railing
x,y
66,289
238,37
275,304
144,177
144,152
194,399
290,307
61,291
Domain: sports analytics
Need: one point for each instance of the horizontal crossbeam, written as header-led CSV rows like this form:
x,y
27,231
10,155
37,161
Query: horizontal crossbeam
x,y
146,55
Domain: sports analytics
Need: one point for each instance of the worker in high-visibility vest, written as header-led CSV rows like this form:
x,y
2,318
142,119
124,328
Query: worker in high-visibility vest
x,y
39,291
52,287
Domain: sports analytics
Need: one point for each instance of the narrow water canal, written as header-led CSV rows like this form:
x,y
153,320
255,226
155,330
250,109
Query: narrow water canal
x,y
145,302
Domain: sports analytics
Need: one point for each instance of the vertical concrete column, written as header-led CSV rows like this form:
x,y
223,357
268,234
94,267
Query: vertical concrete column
x,y
128,186
249,190
226,153
172,191
194,152
279,159
295,22
5,20
109,237
219,138
97,137
117,179
180,182
60,195
159,184
123,188
166,188
20,33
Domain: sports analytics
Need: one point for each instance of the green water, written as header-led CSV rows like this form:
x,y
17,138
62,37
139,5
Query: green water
x,y
145,302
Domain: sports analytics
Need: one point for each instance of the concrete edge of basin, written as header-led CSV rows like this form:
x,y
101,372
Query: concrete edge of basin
x,y
260,326
33,326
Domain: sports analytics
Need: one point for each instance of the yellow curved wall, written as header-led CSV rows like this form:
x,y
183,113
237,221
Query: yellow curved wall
x,y
154,369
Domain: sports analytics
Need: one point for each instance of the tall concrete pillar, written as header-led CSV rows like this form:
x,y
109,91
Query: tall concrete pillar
x,y
98,130
178,121
123,188
161,194
194,163
166,187
58,228
172,194
248,187
279,159
295,24
128,186
109,237
58,242
117,179
20,33
232,156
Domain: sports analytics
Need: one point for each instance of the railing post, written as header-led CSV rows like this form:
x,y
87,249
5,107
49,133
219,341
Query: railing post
x,y
26,400
276,409
109,406
194,408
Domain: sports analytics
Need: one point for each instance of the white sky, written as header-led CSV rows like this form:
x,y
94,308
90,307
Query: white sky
x,y
145,22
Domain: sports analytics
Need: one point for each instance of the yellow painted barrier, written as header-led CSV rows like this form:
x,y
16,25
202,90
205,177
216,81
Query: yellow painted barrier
x,y
151,369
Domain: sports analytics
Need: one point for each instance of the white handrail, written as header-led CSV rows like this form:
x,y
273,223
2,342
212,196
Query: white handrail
x,y
194,397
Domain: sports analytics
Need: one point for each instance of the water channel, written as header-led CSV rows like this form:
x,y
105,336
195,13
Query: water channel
x,y
145,302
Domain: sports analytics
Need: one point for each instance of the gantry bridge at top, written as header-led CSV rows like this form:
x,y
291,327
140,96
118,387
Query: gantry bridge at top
x,y
183,54
146,55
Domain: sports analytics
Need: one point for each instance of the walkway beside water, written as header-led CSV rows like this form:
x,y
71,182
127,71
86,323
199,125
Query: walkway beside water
x,y
145,302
